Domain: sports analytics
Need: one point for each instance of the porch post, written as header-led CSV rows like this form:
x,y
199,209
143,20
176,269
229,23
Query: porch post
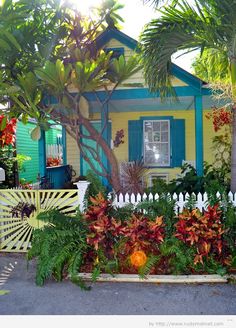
x,y
64,155
105,135
199,134
42,154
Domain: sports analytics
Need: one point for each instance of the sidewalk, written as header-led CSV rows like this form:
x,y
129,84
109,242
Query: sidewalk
x,y
64,298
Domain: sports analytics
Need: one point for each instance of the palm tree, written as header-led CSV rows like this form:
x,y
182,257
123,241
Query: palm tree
x,y
200,25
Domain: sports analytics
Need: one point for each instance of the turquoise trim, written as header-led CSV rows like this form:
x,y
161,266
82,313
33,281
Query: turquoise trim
x,y
179,72
138,93
64,146
116,52
109,34
42,154
199,135
144,93
186,77
105,136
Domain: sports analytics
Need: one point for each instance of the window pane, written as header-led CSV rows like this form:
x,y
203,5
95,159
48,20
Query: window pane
x,y
164,126
156,137
156,143
164,136
148,126
156,126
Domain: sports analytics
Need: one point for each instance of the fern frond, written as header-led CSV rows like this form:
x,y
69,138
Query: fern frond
x,y
146,269
96,273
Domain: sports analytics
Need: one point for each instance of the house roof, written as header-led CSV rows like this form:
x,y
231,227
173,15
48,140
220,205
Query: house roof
x,y
180,73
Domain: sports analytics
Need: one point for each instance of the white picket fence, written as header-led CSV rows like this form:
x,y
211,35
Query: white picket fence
x,y
180,199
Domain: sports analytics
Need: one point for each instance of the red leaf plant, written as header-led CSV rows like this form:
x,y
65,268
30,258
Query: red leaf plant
x,y
136,234
204,231
7,134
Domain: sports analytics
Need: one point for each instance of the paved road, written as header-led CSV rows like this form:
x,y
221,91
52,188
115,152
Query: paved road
x,y
107,298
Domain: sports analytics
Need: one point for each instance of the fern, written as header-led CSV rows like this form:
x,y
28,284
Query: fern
x,y
146,269
96,273
59,247
179,255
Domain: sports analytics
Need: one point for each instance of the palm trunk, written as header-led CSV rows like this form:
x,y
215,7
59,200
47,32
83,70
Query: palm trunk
x,y
233,151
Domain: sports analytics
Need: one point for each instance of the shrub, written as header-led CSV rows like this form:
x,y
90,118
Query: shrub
x,y
204,231
60,247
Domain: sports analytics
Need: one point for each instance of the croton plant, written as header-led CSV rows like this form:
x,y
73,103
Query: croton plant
x,y
133,241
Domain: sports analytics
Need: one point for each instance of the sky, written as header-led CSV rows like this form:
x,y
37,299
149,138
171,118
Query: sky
x,y
136,15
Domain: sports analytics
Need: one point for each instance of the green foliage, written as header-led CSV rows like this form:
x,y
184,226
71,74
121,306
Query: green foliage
x,y
122,213
94,188
211,66
211,266
164,206
211,182
8,163
152,261
60,247
21,159
159,186
229,221
180,257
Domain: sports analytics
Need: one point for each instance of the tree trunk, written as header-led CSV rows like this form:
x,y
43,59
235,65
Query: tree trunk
x,y
114,177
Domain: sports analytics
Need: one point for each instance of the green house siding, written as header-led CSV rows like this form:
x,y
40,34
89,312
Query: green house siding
x,y
26,146
51,136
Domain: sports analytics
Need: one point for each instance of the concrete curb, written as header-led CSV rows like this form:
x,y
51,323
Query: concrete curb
x,y
161,279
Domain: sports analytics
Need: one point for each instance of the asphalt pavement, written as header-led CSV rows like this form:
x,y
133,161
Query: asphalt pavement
x,y
64,298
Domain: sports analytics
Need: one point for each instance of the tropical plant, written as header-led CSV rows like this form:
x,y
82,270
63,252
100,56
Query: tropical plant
x,y
60,247
163,206
95,187
204,231
132,175
201,25
81,67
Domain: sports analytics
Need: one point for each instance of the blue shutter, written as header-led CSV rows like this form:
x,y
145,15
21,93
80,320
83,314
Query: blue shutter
x,y
177,142
135,140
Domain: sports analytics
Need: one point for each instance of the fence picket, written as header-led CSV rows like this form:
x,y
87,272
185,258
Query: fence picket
x,y
201,200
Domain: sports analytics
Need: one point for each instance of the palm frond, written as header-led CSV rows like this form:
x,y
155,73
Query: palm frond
x,y
184,27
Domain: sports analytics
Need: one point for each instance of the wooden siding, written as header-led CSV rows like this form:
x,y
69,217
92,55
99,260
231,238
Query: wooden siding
x,y
120,121
26,146
73,157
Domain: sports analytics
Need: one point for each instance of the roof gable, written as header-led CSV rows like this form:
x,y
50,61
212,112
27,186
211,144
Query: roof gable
x,y
177,71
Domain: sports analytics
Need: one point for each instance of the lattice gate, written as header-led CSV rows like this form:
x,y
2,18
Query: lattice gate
x,y
19,210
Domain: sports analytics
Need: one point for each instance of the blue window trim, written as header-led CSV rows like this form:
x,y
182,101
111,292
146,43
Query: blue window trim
x,y
158,118
120,51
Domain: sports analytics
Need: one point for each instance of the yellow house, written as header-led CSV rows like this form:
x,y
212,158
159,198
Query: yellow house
x,y
163,134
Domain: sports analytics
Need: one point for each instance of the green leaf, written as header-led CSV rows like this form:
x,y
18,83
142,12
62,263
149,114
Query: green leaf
x,y
3,123
60,71
24,118
4,292
12,39
36,133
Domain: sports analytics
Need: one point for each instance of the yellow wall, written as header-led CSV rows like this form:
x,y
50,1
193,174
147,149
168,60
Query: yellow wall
x,y
120,121
72,152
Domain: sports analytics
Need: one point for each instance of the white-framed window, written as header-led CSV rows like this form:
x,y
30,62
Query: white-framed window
x,y
156,142
154,176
